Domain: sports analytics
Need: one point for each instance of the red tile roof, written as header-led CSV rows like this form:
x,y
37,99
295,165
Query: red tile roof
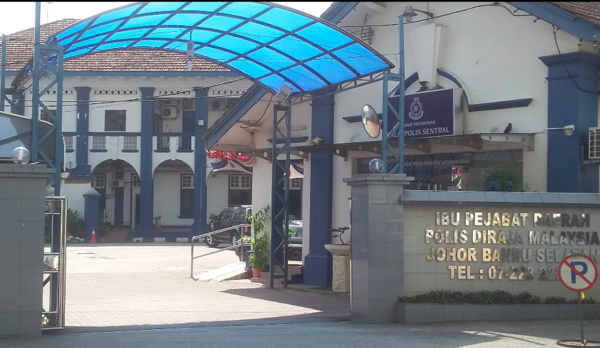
x,y
586,10
19,49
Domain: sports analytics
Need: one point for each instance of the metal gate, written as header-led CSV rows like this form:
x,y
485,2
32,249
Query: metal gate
x,y
54,268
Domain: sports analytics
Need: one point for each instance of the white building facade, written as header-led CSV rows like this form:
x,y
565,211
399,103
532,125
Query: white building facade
x,y
133,136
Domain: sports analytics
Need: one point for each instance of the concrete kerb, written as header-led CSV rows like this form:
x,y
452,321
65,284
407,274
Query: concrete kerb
x,y
420,313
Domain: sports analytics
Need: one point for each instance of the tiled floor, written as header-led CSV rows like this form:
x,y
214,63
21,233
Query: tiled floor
x,y
129,285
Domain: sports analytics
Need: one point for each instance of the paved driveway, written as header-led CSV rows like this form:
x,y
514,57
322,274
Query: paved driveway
x,y
132,285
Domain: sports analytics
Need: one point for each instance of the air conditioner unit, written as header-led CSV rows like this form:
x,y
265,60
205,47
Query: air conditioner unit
x,y
218,105
594,143
118,183
168,102
168,112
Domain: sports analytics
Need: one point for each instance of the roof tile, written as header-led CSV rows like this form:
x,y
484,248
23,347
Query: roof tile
x,y
19,49
586,10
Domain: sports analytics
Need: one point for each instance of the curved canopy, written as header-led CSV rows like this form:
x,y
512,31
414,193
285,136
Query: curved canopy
x,y
270,44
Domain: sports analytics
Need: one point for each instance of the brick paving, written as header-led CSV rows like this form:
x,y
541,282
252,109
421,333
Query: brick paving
x,y
133,285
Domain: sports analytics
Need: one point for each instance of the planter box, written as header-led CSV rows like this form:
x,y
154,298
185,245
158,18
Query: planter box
x,y
418,313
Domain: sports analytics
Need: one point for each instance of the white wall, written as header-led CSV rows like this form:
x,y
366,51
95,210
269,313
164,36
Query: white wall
x,y
75,192
301,115
261,184
217,187
493,54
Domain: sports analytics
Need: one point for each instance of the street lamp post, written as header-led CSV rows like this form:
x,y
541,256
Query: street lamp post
x,y
369,114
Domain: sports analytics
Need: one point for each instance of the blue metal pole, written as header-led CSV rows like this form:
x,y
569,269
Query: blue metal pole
x,y
400,167
36,85
59,145
3,74
384,116
274,199
286,229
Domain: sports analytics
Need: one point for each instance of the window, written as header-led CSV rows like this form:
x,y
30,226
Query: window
x,y
135,180
162,144
226,214
99,181
68,143
240,182
296,184
239,216
240,189
187,181
114,120
98,142
186,207
130,143
185,144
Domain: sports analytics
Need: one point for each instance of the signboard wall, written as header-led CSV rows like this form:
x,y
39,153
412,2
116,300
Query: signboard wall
x,y
494,247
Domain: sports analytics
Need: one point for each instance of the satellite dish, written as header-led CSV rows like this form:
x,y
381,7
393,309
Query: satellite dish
x,y
370,121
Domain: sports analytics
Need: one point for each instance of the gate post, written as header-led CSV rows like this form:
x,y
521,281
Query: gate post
x,y
92,201
22,195
377,247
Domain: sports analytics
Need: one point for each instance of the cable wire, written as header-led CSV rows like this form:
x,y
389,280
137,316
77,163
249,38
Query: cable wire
x,y
555,30
495,4
263,114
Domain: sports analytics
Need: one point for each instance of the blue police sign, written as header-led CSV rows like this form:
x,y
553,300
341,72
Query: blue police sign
x,y
426,115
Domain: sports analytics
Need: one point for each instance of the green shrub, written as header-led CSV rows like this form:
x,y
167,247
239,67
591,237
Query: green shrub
x,y
486,297
75,224
260,243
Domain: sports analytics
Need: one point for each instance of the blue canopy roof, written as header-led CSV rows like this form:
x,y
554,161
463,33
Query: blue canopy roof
x,y
268,43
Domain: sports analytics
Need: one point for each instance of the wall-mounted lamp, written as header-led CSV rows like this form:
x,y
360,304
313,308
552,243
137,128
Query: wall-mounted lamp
x,y
20,155
283,93
569,129
410,13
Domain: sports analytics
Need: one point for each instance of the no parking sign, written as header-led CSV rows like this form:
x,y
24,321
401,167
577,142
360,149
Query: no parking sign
x,y
577,272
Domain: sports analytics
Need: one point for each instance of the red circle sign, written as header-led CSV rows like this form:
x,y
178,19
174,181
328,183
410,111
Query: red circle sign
x,y
578,272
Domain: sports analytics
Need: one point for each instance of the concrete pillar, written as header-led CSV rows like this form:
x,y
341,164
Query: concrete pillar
x,y
572,100
377,248
92,201
144,229
83,168
318,262
22,196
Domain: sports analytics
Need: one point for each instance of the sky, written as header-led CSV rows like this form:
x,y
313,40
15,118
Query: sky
x,y
16,16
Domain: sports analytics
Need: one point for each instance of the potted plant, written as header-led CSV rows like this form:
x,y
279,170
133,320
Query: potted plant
x,y
103,228
260,244
260,255
157,225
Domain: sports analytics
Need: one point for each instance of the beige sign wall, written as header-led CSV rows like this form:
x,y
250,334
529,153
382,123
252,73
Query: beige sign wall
x,y
495,247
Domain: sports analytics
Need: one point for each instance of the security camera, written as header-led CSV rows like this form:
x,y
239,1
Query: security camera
x,y
569,129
